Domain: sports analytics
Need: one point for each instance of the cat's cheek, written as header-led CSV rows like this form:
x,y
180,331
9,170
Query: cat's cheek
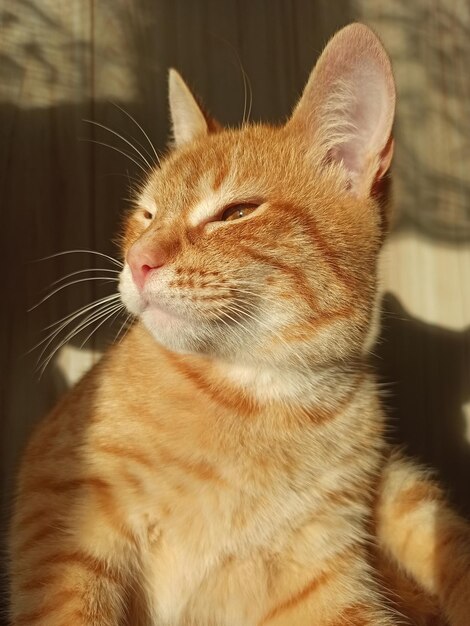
x,y
130,295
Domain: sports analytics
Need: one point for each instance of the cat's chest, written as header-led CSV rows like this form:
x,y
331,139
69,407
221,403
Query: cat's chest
x,y
187,585
218,539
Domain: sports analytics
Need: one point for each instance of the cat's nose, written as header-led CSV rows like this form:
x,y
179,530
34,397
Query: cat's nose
x,y
142,260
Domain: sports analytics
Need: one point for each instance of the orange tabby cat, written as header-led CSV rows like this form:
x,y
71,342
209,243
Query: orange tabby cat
x,y
225,464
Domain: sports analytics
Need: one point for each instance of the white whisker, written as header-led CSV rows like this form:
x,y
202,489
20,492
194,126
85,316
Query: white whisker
x,y
84,324
91,269
84,309
251,98
55,333
140,128
116,313
73,282
260,296
110,130
122,327
238,308
224,313
106,256
108,145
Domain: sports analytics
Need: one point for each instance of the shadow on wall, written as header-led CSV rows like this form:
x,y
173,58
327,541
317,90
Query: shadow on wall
x,y
430,48
426,371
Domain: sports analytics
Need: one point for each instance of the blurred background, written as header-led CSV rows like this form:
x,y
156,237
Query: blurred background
x,y
61,189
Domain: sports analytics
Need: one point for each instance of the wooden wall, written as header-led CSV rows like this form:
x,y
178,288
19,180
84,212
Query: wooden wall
x,y
63,62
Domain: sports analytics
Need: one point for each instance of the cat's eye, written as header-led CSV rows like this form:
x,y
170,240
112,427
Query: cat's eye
x,y
147,215
237,211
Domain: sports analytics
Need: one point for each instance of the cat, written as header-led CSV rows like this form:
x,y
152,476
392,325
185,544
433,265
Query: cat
x,y
225,464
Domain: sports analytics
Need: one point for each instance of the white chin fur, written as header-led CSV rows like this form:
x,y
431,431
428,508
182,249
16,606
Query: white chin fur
x,y
129,293
172,332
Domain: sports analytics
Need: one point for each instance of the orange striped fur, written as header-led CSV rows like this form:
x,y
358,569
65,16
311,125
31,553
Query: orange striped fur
x,y
225,463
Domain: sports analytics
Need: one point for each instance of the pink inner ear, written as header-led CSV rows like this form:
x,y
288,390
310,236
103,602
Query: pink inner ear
x,y
365,116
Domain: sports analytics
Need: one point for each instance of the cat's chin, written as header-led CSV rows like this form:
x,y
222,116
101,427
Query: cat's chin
x,y
161,318
172,332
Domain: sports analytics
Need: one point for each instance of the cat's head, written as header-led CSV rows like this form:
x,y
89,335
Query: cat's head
x,y
260,244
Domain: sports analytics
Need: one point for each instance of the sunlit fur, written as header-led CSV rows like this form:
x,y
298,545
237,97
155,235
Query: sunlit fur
x,y
282,264
224,464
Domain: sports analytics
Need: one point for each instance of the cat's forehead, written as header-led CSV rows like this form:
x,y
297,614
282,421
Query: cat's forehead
x,y
232,166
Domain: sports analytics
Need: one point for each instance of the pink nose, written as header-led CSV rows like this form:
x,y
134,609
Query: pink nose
x,y
142,260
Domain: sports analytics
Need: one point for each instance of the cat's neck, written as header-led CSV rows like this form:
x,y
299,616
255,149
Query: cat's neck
x,y
261,384
288,384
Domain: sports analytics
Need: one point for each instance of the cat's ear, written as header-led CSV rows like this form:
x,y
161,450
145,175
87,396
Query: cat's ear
x,y
346,111
189,120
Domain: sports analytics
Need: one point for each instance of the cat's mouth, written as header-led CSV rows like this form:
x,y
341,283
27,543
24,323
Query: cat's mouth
x,y
145,304
162,306
178,320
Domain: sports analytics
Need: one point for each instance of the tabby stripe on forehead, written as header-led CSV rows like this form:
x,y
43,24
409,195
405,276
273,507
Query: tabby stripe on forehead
x,y
220,174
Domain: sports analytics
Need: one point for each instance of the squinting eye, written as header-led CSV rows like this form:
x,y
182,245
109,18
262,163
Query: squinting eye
x,y
237,211
147,215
